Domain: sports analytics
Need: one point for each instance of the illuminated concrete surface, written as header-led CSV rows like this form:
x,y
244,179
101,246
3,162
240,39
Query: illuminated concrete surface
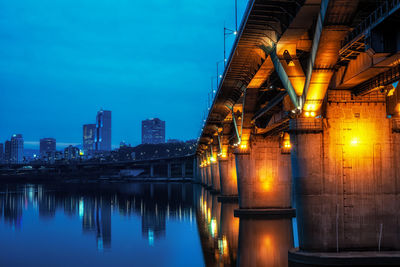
x,y
264,178
346,177
227,171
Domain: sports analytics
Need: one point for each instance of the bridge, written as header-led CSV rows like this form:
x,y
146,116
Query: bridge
x,y
306,117
167,168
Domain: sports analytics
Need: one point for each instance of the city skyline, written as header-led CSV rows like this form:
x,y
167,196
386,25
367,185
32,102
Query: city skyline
x,y
35,144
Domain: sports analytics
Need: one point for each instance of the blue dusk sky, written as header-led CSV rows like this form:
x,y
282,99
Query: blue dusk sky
x,y
61,61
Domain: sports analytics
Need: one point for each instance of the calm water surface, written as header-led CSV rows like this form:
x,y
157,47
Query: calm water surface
x,y
133,224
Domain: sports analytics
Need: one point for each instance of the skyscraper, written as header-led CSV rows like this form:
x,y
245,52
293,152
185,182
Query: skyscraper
x,y
153,131
103,131
71,153
17,148
47,147
89,133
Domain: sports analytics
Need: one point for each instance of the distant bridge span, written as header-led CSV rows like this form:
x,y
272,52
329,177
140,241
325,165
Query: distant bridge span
x,y
309,101
168,167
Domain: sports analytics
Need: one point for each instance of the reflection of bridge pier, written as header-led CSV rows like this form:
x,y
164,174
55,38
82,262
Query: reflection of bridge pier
x,y
218,230
264,242
228,234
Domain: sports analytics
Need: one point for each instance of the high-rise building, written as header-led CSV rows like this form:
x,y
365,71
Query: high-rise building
x,y
103,131
17,148
7,151
153,131
71,153
89,133
1,153
47,147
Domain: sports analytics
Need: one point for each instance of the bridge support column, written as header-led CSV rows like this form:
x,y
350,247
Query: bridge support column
x,y
264,176
346,176
208,174
215,176
151,170
203,175
227,172
169,169
195,169
183,167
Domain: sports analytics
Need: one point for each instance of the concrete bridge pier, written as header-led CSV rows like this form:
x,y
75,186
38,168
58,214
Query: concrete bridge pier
x,y
203,175
196,169
169,171
264,176
215,179
227,175
208,174
151,170
346,176
183,169
202,170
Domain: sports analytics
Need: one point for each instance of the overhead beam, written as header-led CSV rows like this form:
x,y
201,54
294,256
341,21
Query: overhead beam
x,y
314,49
271,51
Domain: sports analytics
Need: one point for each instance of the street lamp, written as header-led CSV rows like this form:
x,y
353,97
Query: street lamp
x,y
213,91
218,75
235,15
227,32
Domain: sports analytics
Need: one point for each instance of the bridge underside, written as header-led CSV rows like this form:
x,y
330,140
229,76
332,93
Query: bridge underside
x,y
309,100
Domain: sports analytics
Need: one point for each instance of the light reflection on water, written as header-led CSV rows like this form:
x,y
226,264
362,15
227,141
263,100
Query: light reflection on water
x,y
140,224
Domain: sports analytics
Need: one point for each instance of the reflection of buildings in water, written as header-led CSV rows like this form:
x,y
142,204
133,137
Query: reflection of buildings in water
x,y
95,213
94,206
89,211
153,225
12,206
70,205
47,204
103,222
264,242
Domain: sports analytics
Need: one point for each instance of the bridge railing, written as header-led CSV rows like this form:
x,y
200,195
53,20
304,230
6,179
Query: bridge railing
x,y
381,12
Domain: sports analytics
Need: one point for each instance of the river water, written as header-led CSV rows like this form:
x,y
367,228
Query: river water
x,y
133,224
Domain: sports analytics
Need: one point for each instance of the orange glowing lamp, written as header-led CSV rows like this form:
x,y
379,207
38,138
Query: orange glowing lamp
x,y
354,141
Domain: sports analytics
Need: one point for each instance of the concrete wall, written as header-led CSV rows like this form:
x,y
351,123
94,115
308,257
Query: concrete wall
x,y
208,175
264,174
215,176
346,179
228,178
202,175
